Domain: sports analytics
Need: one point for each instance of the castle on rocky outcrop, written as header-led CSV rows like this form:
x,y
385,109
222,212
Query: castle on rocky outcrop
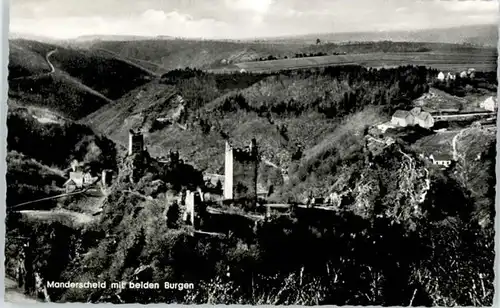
x,y
240,176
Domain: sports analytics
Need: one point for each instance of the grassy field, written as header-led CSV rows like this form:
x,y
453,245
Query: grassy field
x,y
456,62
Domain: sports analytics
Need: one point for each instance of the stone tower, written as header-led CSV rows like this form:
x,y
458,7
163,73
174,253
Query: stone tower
x,y
228,172
240,177
135,142
193,201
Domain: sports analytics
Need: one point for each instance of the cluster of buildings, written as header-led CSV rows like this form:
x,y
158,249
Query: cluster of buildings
x,y
416,116
470,73
81,177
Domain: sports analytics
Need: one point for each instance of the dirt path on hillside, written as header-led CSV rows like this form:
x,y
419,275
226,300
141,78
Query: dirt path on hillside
x,y
76,217
52,68
15,295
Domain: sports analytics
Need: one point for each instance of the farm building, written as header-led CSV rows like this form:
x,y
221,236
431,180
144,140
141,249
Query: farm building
x,y
415,116
383,127
424,119
76,165
441,76
402,118
463,74
78,180
262,192
489,104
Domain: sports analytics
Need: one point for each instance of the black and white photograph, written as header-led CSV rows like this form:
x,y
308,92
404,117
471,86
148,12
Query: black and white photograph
x,y
251,152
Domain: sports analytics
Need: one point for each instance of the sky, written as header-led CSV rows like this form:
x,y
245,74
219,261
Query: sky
x,y
235,19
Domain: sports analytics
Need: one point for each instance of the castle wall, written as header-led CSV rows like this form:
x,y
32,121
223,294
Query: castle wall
x,y
192,201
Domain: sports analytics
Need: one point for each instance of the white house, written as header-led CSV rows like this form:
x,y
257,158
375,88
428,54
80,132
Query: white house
x,y
402,118
443,160
489,104
441,76
463,74
424,120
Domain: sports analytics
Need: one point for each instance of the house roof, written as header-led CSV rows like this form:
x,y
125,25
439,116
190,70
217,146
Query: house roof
x,y
401,114
490,99
442,157
424,116
261,189
69,182
76,175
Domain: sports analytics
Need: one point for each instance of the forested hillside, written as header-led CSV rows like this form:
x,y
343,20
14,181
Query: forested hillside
x,y
40,152
283,111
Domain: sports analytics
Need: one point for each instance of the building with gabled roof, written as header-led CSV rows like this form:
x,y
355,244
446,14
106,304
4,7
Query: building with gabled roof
x,y
402,118
79,180
489,104
443,160
424,119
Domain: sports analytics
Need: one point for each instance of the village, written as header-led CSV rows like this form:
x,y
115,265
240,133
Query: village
x,y
445,117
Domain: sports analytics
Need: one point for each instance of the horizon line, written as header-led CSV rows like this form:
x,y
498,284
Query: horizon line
x,y
284,36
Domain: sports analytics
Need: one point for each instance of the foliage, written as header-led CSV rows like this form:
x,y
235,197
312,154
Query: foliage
x,y
29,180
67,141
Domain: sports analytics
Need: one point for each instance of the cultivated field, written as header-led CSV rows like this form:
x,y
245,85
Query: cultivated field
x,y
455,62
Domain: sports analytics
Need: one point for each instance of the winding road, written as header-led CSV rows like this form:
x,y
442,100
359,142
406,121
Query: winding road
x,y
15,295
50,53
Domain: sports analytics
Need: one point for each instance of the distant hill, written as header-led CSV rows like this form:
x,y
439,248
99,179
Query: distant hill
x,y
86,38
482,35
181,53
81,81
206,54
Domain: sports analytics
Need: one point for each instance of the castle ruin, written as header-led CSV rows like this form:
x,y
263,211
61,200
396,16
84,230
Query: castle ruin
x,y
240,176
135,142
193,199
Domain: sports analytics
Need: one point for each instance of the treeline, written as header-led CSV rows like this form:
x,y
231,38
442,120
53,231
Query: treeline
x,y
296,56
482,81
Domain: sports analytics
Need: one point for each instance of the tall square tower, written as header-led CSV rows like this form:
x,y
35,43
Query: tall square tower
x,y
240,177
